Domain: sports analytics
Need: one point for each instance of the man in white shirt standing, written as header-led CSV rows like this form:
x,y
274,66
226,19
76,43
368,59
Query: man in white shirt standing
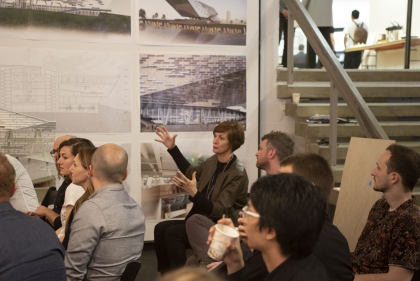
x,y
353,59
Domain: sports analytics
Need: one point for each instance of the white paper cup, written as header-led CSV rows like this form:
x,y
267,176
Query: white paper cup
x,y
296,97
222,235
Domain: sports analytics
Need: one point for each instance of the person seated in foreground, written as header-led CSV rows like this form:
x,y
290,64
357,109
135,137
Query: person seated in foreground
x,y
389,245
283,220
274,147
107,231
29,249
189,274
24,199
332,248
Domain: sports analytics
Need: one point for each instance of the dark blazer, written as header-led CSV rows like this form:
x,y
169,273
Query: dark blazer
x,y
230,192
29,249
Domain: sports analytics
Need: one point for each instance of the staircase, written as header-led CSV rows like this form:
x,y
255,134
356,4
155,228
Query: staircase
x,y
392,95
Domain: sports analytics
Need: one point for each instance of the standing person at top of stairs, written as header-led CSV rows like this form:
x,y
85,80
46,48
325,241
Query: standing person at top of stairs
x,y
321,13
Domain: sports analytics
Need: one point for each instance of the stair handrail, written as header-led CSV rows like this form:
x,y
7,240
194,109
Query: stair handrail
x,y
340,81
408,35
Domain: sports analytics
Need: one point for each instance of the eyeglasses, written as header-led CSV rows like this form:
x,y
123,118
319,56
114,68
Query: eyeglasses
x,y
249,213
52,152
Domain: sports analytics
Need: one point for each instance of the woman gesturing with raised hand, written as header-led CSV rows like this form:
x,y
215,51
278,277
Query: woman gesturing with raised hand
x,y
165,137
216,187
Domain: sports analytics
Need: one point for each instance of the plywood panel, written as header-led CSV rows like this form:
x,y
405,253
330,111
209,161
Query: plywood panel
x,y
356,195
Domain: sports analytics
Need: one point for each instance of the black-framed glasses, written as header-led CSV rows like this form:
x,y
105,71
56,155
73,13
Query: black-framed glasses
x,y
52,152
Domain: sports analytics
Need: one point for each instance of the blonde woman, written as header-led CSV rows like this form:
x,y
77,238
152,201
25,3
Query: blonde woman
x,y
80,176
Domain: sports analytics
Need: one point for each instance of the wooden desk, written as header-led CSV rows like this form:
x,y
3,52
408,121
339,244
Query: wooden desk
x,y
392,45
389,55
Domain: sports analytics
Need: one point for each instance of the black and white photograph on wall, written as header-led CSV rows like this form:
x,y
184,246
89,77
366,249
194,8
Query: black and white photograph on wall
x,y
72,91
208,22
67,20
191,92
160,198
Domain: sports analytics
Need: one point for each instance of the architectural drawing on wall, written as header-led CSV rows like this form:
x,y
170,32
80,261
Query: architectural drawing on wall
x,y
69,87
69,20
217,22
191,92
160,199
29,139
30,88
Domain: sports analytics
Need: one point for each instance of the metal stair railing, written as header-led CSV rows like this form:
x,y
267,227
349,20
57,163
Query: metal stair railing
x,y
340,81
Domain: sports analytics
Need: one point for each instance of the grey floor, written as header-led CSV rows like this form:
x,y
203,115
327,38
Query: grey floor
x,y
148,270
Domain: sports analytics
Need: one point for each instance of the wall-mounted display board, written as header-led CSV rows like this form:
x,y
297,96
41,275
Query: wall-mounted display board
x,y
191,92
211,22
111,71
107,21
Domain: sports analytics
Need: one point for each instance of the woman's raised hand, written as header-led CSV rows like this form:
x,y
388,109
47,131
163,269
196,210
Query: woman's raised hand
x,y
165,137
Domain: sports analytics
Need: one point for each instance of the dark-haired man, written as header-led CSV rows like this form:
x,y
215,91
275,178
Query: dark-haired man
x,y
108,230
274,147
352,59
284,217
389,245
29,249
332,248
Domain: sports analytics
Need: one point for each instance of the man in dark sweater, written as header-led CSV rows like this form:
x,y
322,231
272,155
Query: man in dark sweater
x,y
29,249
283,219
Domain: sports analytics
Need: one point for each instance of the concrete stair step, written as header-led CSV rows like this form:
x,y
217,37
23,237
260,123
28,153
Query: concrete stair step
x,y
313,90
392,129
378,109
342,148
355,75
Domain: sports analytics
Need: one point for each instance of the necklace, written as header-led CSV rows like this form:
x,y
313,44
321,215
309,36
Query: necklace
x,y
212,182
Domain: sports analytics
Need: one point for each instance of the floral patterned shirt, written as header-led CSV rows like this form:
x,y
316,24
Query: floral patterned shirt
x,y
389,238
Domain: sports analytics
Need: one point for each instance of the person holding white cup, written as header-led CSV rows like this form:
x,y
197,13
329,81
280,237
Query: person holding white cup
x,y
284,218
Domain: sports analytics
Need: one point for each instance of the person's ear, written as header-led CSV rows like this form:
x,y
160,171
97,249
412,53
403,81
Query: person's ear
x,y
125,175
394,177
90,173
14,188
272,153
270,234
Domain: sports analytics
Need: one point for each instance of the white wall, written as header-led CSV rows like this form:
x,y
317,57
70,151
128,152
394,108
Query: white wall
x,y
383,12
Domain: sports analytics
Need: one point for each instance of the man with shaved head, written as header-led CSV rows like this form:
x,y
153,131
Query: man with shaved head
x,y
108,230
53,215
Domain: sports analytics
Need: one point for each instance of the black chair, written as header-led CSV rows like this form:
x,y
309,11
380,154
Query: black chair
x,y
131,271
49,198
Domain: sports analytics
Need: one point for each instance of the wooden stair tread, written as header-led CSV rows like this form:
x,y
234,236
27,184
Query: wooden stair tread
x,y
391,128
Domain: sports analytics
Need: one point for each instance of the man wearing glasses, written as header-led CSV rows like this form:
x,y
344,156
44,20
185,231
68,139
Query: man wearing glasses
x,y
284,218
53,215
